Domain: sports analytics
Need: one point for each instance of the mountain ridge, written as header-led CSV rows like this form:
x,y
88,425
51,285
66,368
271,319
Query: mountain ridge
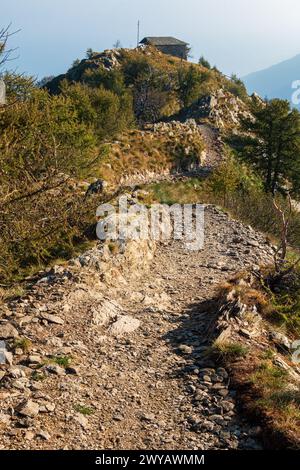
x,y
275,81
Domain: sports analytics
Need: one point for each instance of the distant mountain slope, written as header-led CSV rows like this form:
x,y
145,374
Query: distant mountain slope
x,y
275,81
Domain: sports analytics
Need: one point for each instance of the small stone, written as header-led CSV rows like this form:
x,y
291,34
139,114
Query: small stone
x,y
280,340
253,243
223,392
4,419
218,386
20,384
19,352
217,419
222,372
185,349
227,406
207,426
50,407
216,378
55,369
82,420
44,435
148,417
29,435
255,267
36,386
8,357
125,324
118,417
201,395
34,359
28,408
247,334
25,320
105,313
16,372
15,432
7,331
191,389
206,379
55,341
52,318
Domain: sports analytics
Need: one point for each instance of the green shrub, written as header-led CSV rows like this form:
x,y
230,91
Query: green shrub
x,y
63,361
237,87
191,84
102,110
275,399
204,62
84,410
226,351
151,87
44,148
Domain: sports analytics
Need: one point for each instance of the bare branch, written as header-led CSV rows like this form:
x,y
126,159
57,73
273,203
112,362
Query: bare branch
x,y
6,54
280,254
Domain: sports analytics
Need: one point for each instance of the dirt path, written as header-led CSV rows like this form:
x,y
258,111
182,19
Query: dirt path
x,y
151,389
213,145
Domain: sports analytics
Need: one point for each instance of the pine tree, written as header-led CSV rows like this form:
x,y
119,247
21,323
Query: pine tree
x,y
272,144
204,62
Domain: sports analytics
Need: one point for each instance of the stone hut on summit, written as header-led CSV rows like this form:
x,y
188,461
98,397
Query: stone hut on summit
x,y
168,45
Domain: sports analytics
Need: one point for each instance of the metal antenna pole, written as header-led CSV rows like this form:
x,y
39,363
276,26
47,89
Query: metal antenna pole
x,y
138,33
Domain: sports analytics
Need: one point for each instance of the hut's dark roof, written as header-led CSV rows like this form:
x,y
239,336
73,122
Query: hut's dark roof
x,y
163,41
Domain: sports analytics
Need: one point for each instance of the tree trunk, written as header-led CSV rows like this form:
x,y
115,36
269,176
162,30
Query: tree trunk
x,y
270,158
277,167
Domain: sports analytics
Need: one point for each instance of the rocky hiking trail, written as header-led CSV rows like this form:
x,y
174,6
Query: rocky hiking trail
x,y
139,376
213,145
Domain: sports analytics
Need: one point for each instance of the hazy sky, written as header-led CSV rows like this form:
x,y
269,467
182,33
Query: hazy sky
x,y
238,36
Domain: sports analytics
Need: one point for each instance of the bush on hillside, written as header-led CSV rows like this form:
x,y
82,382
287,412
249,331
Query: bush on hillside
x,y
237,87
191,85
112,80
18,87
102,110
204,63
151,89
44,148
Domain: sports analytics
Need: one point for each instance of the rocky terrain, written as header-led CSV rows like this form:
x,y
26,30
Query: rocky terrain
x,y
110,352
113,349
221,108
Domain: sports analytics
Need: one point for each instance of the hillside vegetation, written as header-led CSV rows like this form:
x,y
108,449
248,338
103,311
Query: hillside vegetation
x,y
167,131
100,120
159,85
84,125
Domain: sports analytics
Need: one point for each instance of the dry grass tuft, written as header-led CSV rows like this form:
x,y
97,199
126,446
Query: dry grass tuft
x,y
228,351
